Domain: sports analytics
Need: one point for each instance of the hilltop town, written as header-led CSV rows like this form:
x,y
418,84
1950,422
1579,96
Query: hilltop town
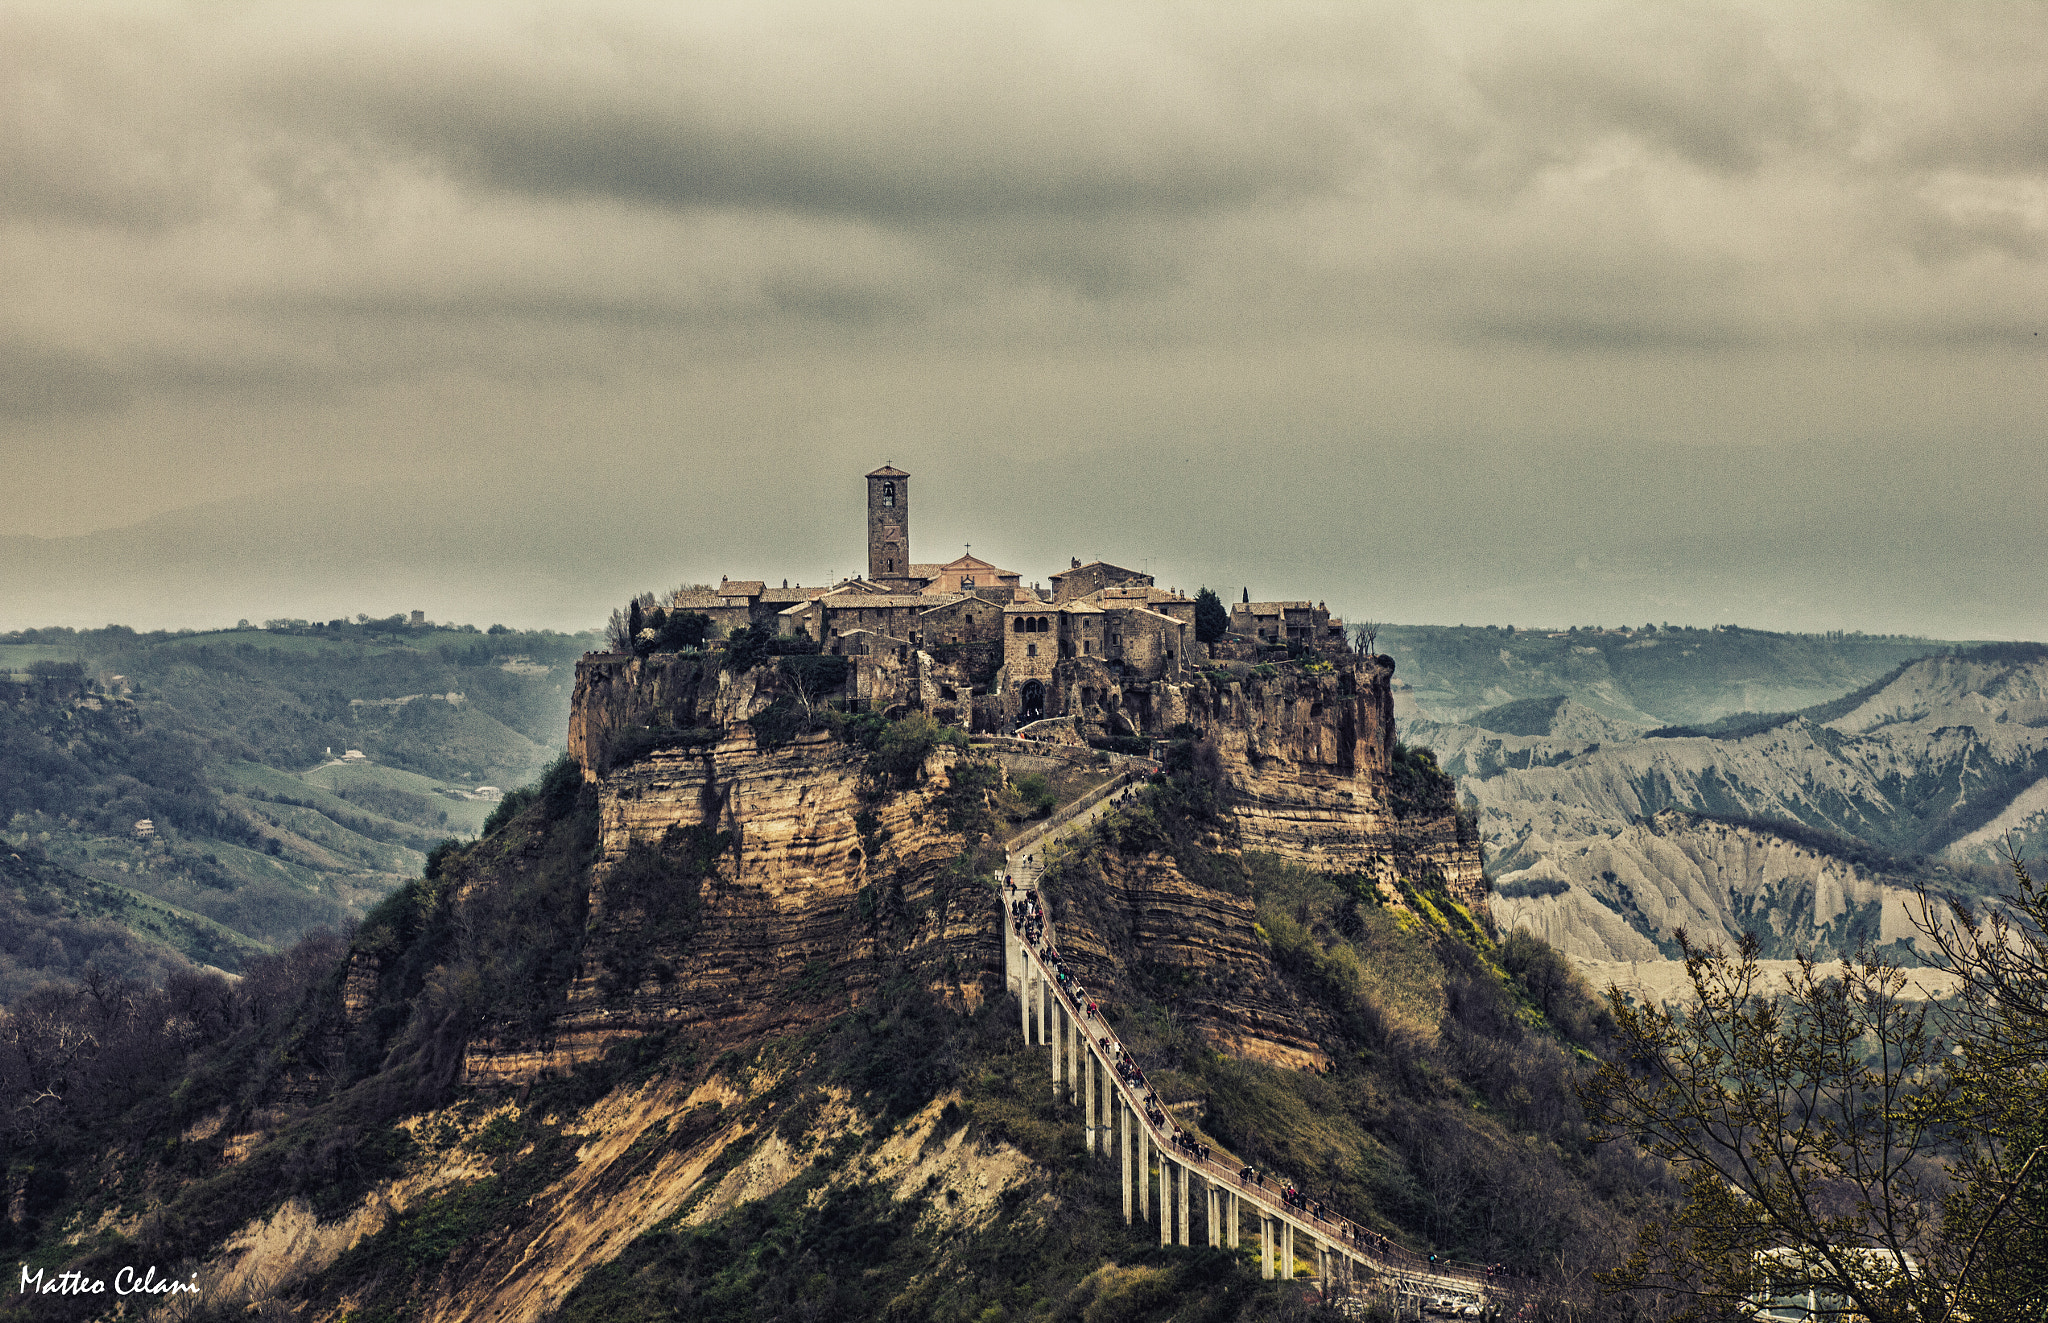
x,y
1100,652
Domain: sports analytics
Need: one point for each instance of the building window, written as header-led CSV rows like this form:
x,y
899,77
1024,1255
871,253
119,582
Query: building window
x,y
966,582
1031,650
888,493
1019,628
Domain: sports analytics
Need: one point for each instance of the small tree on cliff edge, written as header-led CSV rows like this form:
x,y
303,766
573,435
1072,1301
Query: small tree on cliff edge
x,y
1212,622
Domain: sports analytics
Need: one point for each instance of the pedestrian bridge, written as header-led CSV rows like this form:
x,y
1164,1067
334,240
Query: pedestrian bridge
x,y
1166,1181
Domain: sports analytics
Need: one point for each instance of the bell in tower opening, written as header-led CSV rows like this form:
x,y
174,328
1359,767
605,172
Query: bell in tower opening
x,y
889,527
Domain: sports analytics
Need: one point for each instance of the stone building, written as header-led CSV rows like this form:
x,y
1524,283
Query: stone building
x,y
969,574
1105,646
1280,623
1079,580
733,604
889,529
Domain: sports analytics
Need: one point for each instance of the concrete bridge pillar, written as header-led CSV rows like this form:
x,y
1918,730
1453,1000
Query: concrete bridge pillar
x,y
1181,1203
1074,1036
1109,1100
1123,1158
1024,1000
1054,1014
1165,1198
1144,1172
1088,1119
1265,1245
1287,1250
1231,1219
1212,1212
1013,948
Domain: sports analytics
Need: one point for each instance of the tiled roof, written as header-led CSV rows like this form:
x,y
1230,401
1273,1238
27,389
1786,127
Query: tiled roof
x,y
865,601
973,563
942,601
699,601
1140,592
1101,564
742,587
1148,611
888,471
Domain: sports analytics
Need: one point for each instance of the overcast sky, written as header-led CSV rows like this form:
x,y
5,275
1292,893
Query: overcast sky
x,y
1501,313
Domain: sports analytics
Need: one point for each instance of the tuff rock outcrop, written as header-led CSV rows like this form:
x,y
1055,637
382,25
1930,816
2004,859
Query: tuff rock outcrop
x,y
802,873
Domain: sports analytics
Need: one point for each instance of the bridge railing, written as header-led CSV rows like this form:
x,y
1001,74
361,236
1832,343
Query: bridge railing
x,y
1340,1234
1066,814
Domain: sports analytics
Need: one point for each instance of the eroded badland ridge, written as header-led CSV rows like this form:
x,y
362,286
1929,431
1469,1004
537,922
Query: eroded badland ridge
x,y
1810,828
714,1022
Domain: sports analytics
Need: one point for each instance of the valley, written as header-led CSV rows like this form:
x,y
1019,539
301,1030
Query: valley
x,y
220,794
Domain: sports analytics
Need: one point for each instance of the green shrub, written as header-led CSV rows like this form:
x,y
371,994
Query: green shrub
x,y
747,647
1036,792
1534,888
632,745
901,749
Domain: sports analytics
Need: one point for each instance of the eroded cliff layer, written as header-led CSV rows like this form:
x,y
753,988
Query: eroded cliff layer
x,y
1119,913
1310,771
744,887
751,875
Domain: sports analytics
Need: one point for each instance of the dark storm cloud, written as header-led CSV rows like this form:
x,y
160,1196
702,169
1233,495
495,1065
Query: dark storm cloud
x,y
37,382
1700,84
915,114
256,245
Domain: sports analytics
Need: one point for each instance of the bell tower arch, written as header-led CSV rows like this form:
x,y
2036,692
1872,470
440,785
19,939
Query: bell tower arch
x,y
888,524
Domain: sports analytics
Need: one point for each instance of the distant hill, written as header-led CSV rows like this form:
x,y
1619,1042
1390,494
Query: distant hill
x,y
1556,716
1807,826
290,777
1643,677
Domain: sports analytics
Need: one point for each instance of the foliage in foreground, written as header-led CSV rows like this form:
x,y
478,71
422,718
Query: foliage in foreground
x,y
1833,1138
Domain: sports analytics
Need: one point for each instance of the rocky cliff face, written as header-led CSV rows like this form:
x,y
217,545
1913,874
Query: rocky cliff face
x,y
1309,772
776,871
1118,914
744,888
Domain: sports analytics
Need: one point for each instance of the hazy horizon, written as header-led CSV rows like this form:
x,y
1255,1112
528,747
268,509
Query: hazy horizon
x,y
1559,314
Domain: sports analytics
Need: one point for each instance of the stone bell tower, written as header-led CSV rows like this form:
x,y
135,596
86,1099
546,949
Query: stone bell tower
x,y
888,525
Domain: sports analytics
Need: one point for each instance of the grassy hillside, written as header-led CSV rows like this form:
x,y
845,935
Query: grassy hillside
x,y
230,744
